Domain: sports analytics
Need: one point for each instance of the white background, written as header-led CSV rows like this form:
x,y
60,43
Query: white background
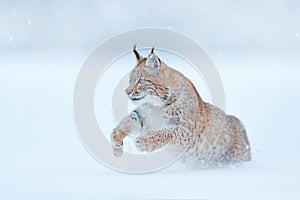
x,y
255,46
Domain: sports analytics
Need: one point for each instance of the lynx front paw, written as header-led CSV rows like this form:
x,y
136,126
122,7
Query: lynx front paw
x,y
117,141
117,151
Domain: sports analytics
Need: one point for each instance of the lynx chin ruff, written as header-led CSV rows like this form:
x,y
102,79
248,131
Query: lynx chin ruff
x,y
171,112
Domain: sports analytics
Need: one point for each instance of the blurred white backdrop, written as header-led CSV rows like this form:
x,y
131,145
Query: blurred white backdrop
x,y
255,46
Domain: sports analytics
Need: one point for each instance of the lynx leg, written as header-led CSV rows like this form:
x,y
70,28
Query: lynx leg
x,y
129,123
241,147
117,141
157,139
153,140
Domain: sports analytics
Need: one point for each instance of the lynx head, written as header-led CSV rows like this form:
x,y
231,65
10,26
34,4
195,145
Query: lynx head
x,y
147,80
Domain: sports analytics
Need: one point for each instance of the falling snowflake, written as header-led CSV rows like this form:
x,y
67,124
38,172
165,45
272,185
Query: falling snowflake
x,y
11,39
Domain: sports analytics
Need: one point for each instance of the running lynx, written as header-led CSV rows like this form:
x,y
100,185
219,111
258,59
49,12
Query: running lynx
x,y
171,112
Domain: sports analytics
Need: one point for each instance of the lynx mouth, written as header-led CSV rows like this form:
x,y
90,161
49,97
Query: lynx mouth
x,y
137,98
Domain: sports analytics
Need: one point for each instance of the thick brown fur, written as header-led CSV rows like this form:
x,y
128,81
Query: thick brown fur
x,y
210,135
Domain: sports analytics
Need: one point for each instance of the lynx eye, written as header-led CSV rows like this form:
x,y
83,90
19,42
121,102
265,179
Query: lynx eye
x,y
137,81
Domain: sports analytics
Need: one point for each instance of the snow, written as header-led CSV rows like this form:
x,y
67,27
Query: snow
x,y
42,156
255,46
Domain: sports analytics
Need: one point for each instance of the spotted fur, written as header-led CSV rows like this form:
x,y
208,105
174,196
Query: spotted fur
x,y
167,97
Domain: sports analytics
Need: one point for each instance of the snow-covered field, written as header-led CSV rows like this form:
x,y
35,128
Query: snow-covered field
x,y
254,44
42,157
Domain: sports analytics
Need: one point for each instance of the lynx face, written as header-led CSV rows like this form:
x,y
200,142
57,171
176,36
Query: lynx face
x,y
146,82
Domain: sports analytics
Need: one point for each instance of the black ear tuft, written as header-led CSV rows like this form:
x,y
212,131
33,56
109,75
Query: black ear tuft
x,y
152,50
137,55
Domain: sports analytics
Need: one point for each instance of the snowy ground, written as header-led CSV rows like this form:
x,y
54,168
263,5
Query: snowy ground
x,y
42,157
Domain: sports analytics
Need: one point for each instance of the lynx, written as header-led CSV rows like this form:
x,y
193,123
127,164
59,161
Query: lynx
x,y
171,112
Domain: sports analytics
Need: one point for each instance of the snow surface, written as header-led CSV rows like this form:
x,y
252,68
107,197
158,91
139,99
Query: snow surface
x,y
42,157
255,46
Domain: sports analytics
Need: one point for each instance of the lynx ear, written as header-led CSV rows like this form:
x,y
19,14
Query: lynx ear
x,y
153,60
138,57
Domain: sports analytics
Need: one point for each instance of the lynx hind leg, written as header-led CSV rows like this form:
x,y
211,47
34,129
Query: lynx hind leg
x,y
240,150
